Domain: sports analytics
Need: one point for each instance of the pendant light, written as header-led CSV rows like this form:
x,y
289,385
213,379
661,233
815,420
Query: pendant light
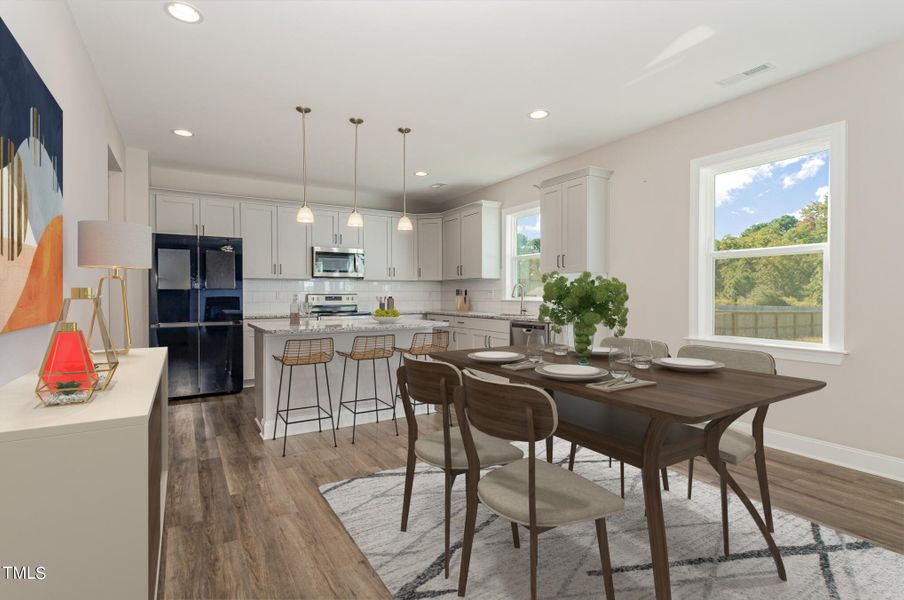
x,y
404,221
355,219
304,214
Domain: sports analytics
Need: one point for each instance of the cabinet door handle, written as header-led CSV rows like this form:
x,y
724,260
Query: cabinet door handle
x,y
340,239
393,271
418,272
558,258
563,261
486,341
202,230
196,230
280,268
274,268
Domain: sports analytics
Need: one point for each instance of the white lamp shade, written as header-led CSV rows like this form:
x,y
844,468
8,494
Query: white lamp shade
x,y
355,219
113,244
404,224
304,214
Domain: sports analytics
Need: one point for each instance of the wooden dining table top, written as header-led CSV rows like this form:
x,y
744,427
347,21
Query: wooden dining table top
x,y
682,397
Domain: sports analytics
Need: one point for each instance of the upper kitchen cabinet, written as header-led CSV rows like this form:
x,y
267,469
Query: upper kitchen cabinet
x,y
388,252
429,232
192,215
574,222
471,241
330,229
403,249
275,245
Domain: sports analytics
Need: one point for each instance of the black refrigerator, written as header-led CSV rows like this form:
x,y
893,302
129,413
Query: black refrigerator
x,y
196,312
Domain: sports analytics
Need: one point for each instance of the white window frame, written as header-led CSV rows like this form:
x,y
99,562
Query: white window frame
x,y
509,219
831,137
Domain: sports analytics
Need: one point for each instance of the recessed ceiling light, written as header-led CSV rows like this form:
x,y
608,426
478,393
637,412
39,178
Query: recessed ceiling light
x,y
437,185
183,132
183,12
421,173
538,114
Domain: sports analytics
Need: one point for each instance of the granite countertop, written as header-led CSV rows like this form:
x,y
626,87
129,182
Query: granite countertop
x,y
485,315
327,326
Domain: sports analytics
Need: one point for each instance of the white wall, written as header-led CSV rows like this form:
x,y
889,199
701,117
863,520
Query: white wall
x,y
861,407
50,39
167,177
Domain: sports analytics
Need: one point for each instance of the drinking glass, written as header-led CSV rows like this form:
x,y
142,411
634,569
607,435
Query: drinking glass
x,y
643,353
535,342
620,360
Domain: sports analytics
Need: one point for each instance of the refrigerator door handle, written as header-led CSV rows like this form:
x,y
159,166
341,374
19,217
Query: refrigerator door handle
x,y
174,325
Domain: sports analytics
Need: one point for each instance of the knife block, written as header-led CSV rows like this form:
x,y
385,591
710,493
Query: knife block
x,y
462,303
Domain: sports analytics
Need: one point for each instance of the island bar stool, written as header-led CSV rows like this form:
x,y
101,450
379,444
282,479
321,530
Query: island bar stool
x,y
372,348
297,353
423,344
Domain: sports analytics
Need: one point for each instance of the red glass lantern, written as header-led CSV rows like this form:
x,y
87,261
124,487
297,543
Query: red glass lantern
x,y
69,367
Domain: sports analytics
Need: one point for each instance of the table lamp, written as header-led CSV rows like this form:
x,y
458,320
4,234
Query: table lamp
x,y
116,246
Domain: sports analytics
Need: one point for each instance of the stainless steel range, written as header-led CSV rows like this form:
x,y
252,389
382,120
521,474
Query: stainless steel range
x,y
335,305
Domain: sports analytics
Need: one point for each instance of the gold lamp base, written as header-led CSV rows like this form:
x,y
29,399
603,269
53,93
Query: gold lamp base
x,y
116,276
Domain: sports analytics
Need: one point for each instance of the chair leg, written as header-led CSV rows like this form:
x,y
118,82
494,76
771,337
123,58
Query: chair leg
x,y
285,436
533,563
329,399
763,480
603,540
549,449
574,450
516,539
665,479
449,480
409,483
394,419
278,398
468,541
610,462
622,463
723,488
355,412
690,477
317,392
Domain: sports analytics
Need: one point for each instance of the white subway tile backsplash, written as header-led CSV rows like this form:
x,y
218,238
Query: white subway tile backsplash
x,y
273,296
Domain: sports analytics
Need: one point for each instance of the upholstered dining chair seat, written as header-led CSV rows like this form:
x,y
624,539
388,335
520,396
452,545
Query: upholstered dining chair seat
x,y
735,447
491,450
563,497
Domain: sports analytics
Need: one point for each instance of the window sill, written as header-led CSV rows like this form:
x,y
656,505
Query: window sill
x,y
779,351
526,299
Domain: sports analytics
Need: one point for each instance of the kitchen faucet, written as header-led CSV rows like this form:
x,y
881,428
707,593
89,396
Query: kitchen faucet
x,y
517,287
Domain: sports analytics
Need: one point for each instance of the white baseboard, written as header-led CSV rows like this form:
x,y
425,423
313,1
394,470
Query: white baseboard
x,y
836,454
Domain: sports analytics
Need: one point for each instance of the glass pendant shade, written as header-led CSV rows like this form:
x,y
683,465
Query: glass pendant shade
x,y
305,215
404,224
355,219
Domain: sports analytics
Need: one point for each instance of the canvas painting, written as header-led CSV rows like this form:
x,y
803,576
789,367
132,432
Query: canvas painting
x,y
31,193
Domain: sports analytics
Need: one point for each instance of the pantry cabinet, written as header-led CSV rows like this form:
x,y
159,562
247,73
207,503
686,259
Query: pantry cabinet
x,y
472,242
574,222
193,215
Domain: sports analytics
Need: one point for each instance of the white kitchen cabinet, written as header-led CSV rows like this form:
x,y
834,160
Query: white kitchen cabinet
x,y
247,352
376,248
177,214
192,215
220,217
330,230
259,231
472,242
403,251
574,222
293,252
429,232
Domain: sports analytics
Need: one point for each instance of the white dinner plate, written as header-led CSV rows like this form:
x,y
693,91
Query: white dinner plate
x,y
496,356
688,364
571,372
602,350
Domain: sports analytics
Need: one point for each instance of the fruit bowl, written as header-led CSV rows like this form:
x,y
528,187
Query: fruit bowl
x,y
385,319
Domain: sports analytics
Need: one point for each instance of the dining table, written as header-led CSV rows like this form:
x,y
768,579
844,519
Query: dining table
x,y
652,428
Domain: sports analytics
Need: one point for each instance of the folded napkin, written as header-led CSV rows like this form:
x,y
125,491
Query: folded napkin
x,y
521,365
604,386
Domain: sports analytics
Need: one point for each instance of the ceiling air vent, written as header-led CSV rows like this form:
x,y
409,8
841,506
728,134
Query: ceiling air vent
x,y
752,72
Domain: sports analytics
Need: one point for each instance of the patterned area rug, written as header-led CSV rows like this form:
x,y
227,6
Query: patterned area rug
x,y
820,562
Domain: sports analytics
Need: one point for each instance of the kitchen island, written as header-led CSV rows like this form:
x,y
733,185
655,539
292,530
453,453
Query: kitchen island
x,y
269,340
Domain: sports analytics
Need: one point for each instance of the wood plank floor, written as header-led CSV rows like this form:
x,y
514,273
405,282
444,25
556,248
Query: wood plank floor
x,y
244,522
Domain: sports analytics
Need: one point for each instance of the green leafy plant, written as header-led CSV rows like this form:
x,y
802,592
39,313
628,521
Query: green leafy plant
x,y
586,302
382,312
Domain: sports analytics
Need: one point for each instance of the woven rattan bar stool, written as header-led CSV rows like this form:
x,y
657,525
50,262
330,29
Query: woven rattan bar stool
x,y
422,344
297,353
372,348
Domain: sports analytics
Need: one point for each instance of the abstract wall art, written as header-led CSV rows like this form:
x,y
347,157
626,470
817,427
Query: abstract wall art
x,y
31,193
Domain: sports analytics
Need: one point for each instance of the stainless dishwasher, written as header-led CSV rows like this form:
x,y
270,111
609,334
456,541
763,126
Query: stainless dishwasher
x,y
521,329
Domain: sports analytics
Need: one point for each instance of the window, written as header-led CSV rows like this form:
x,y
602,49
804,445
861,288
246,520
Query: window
x,y
523,251
767,233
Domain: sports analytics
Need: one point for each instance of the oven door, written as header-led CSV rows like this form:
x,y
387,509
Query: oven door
x,y
338,262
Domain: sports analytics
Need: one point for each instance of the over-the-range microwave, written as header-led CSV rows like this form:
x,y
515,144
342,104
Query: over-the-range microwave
x,y
338,262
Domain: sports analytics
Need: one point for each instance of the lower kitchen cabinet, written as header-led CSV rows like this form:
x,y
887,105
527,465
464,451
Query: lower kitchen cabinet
x,y
475,333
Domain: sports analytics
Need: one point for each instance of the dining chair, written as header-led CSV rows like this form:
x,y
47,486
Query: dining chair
x,y
530,493
660,350
432,382
736,447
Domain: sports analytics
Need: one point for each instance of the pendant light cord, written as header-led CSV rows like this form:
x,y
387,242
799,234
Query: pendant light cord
x,y
356,166
304,161
404,170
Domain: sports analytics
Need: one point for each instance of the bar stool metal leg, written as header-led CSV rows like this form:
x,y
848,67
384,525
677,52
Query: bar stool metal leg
x,y
355,411
278,396
341,393
389,375
317,392
373,363
288,407
329,399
